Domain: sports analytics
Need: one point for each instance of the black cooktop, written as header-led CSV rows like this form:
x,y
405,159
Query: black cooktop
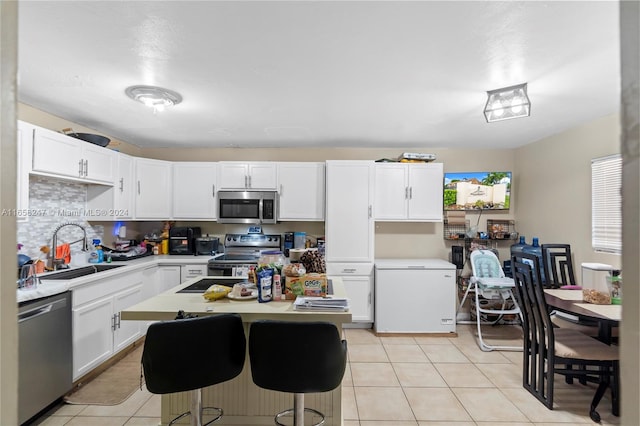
x,y
245,258
202,285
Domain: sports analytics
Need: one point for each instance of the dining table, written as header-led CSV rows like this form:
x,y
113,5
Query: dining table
x,y
571,302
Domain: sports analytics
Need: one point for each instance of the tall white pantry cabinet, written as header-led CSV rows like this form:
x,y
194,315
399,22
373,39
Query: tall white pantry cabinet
x,y
349,230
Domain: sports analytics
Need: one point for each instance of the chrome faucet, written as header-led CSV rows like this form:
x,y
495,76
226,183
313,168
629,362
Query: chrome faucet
x,y
55,262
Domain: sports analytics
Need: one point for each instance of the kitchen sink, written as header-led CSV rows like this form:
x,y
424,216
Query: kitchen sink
x,y
78,272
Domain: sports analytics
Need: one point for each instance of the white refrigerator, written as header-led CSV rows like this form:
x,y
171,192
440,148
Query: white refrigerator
x,y
415,296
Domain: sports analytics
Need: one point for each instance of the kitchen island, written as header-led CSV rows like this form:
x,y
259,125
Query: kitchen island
x,y
242,401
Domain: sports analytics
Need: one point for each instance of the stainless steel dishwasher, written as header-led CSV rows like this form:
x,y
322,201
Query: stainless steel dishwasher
x,y
45,353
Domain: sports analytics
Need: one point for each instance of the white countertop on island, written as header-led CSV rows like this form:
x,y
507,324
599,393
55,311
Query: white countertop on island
x,y
166,305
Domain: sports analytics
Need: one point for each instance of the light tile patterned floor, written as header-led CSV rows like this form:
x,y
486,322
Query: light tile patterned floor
x,y
407,381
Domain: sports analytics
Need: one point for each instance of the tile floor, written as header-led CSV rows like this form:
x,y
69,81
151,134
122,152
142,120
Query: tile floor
x,y
407,381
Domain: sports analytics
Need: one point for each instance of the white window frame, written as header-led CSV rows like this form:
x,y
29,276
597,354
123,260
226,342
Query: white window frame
x,y
606,204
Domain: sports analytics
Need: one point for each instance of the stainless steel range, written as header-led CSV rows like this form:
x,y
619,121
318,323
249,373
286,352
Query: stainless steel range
x,y
241,251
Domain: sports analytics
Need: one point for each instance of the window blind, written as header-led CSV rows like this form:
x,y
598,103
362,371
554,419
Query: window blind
x,y
606,204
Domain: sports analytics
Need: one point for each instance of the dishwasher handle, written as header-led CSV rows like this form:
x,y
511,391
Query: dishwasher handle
x,y
41,310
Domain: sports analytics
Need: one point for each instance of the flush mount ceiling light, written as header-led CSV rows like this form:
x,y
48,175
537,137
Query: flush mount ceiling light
x,y
509,102
154,97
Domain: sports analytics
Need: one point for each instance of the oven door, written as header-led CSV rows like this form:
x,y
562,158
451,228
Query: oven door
x,y
215,269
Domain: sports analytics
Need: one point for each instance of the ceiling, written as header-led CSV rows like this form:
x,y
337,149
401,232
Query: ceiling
x,y
320,73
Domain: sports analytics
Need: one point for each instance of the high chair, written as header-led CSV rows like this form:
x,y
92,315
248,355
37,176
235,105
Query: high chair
x,y
488,281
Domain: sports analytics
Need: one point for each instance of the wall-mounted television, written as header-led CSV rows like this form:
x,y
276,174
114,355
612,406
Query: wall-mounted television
x,y
477,191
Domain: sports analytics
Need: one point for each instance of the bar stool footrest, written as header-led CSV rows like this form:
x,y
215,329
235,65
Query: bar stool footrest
x,y
188,413
292,411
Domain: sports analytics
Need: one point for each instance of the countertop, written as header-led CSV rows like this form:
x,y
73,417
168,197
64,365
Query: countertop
x,y
165,306
48,287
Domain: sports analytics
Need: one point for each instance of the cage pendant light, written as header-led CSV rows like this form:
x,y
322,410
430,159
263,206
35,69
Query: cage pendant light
x,y
507,103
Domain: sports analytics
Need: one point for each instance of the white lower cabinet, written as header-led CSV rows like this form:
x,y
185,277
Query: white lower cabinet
x,y
358,283
98,332
168,277
191,271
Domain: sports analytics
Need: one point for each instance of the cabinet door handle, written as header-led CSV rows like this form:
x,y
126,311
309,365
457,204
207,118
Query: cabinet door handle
x,y
370,209
369,299
281,190
249,181
138,187
213,191
348,270
121,184
411,192
80,167
86,168
118,318
406,192
113,322
246,184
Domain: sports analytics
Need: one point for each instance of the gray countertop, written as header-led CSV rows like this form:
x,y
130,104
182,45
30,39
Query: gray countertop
x,y
48,287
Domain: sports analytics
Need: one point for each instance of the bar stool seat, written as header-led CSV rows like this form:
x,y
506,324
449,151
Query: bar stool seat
x,y
316,345
190,354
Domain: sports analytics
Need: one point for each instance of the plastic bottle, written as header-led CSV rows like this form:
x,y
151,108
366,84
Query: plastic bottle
x,y
93,251
614,283
519,246
536,250
100,254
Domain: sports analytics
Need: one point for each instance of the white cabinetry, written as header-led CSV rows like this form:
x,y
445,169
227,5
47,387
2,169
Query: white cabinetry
x,y
23,150
115,202
358,283
153,189
167,278
124,188
349,219
59,155
301,191
408,192
191,271
194,190
247,176
415,296
98,332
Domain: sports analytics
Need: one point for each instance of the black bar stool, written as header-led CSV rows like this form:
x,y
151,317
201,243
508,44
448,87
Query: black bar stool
x,y
317,344
190,354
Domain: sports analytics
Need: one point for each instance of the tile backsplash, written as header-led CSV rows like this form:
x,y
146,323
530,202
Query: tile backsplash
x,y
53,202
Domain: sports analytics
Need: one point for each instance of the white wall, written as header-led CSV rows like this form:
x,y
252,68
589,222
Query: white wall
x,y
554,186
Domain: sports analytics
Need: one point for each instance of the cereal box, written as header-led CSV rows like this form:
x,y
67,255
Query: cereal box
x,y
305,285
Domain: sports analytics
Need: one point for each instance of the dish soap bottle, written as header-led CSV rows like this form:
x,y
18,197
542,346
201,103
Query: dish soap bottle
x,y
94,256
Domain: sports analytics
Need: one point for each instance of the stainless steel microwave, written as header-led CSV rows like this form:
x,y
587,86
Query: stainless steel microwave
x,y
247,207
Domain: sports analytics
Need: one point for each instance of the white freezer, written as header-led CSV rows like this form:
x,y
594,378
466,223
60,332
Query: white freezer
x,y
415,296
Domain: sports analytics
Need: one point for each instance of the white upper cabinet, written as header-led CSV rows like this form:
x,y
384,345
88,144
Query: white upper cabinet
x,y
59,155
23,167
349,224
153,189
408,192
247,176
124,188
194,190
115,202
301,191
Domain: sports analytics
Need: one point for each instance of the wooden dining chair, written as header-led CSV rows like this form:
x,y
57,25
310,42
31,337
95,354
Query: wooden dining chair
x,y
558,265
549,350
557,262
